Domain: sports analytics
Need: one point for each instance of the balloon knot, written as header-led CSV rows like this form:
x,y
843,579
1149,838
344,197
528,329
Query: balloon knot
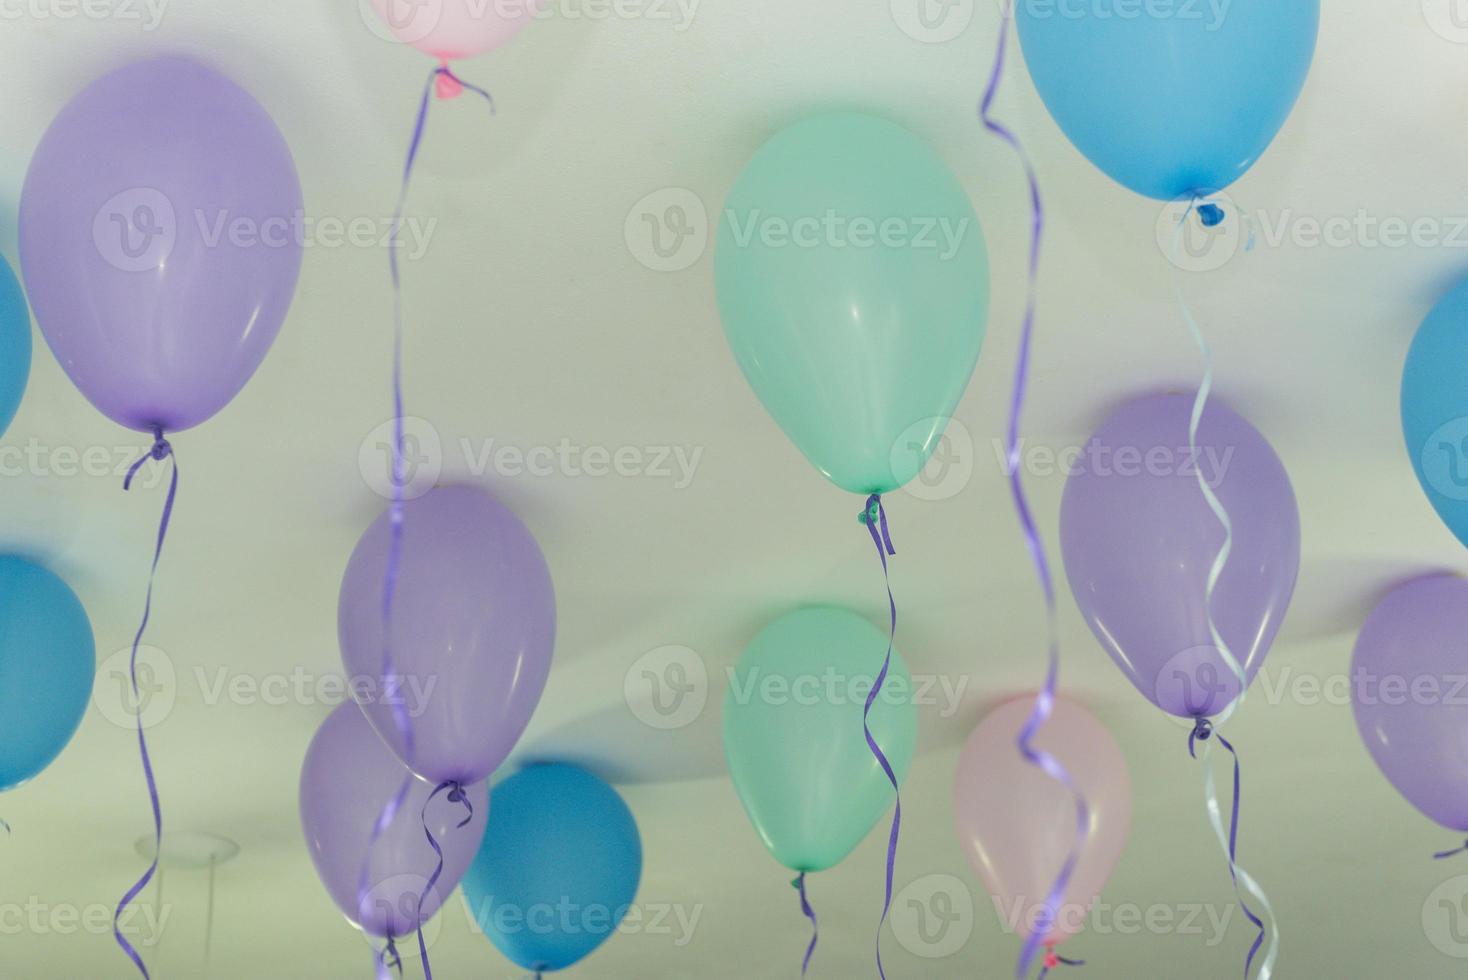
x,y
161,448
1202,730
1211,215
873,511
1051,960
446,85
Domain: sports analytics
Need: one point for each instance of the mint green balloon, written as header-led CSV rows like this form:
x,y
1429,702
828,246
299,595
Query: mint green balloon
x,y
853,283
793,734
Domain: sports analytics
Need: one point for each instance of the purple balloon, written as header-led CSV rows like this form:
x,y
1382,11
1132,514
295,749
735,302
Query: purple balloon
x,y
160,241
1409,690
346,780
1139,539
473,627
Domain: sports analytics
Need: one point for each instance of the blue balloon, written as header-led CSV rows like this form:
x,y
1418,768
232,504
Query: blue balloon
x,y
15,345
1435,408
47,661
558,867
1169,97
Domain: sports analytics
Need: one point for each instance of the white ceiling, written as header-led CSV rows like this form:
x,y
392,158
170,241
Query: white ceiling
x,y
534,322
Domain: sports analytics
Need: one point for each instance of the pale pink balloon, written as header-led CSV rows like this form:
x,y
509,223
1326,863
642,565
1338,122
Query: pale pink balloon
x,y
452,29
1017,825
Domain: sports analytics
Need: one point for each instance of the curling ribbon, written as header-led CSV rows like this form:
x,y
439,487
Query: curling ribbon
x,y
1227,841
1045,699
456,795
810,913
159,451
875,518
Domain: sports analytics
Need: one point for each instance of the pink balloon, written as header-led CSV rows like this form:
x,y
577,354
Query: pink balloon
x,y
450,29
1017,825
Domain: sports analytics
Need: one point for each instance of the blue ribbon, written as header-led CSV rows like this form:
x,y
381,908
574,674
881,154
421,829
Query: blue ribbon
x,y
1045,699
159,451
1202,731
1242,880
1447,854
810,913
875,518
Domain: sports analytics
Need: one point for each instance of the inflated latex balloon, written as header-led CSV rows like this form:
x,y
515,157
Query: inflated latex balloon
x,y
793,734
15,345
160,239
47,663
1139,539
348,778
1409,675
1435,409
853,284
1174,99
1017,826
451,29
558,868
473,628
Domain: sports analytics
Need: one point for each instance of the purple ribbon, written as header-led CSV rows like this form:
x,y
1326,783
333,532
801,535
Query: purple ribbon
x,y
875,518
1202,731
388,961
1437,857
810,913
456,795
392,682
1045,699
159,451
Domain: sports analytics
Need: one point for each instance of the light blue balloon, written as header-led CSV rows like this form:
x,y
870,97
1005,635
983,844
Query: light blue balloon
x,y
1169,97
558,868
15,345
47,661
1435,408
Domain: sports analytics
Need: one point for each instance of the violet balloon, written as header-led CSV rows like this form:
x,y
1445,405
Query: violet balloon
x,y
160,243
473,627
348,777
1017,825
1409,665
1139,539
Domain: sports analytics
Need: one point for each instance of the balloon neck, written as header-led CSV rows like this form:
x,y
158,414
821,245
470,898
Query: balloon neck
x,y
1202,732
446,84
